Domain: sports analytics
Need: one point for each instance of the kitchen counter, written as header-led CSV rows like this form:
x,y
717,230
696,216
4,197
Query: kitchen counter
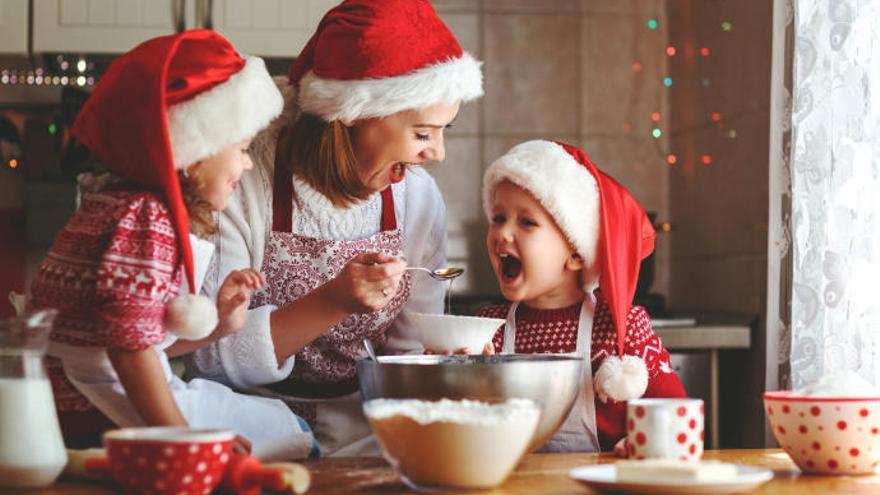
x,y
708,333
537,474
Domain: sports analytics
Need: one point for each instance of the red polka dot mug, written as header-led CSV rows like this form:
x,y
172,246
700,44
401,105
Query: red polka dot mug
x,y
162,460
665,429
827,435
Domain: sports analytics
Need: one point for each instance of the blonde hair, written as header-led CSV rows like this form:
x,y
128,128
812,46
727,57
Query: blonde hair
x,y
199,210
322,154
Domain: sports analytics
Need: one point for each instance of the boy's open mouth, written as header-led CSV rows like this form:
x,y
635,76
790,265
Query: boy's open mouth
x,y
511,267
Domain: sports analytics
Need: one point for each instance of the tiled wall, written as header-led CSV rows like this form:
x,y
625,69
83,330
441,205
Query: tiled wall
x,y
719,248
560,69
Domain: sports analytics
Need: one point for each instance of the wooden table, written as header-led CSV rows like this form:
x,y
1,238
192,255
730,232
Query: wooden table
x,y
537,474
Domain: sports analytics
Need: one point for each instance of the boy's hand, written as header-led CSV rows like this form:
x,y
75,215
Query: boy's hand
x,y
233,299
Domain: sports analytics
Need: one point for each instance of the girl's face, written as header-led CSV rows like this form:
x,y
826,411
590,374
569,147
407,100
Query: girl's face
x,y
531,256
385,147
217,176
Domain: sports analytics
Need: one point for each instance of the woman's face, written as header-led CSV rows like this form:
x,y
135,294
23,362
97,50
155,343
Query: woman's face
x,y
218,175
385,147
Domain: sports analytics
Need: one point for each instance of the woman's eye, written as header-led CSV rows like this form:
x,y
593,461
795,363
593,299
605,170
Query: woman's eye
x,y
423,137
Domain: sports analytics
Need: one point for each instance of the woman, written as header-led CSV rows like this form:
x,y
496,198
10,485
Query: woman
x,y
334,211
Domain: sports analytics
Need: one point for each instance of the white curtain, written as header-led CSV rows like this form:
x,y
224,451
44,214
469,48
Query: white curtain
x,y
835,190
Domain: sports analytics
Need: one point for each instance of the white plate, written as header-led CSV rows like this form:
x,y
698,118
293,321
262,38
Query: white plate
x,y
603,478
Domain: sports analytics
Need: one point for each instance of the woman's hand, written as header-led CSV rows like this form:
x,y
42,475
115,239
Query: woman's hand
x,y
233,299
367,283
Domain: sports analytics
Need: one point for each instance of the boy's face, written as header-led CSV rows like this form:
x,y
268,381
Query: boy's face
x,y
218,175
532,258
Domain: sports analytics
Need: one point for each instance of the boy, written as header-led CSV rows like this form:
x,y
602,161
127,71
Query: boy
x,y
559,229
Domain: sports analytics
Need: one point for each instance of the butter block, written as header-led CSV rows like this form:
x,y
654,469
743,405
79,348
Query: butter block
x,y
675,470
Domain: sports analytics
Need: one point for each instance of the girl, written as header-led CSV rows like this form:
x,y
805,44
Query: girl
x,y
172,120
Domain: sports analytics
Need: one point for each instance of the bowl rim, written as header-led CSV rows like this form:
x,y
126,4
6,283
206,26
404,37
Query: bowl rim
x,y
469,359
788,395
417,314
168,434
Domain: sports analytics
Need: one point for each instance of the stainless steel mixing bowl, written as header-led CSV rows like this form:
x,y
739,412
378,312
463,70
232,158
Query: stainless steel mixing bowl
x,y
550,380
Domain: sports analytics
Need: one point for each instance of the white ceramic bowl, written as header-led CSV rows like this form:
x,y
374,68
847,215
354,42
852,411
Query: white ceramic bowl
x,y
827,435
458,444
450,333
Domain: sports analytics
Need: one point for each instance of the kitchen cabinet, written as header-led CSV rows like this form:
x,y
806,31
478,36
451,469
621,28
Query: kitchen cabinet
x,y
257,27
13,26
104,26
268,28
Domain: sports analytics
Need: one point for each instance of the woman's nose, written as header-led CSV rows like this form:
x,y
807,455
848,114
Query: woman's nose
x,y
436,152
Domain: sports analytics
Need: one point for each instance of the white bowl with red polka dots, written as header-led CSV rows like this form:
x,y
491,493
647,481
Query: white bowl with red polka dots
x,y
827,435
161,460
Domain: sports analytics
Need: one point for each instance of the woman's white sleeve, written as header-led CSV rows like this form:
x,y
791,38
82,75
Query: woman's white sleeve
x,y
424,244
246,358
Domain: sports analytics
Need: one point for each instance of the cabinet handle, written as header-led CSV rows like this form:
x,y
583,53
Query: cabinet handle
x,y
206,13
178,8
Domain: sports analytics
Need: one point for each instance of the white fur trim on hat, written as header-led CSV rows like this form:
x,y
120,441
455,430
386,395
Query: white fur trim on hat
x,y
454,80
564,187
621,379
226,114
191,317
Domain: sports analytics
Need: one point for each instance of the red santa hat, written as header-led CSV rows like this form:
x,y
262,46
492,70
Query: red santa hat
x,y
372,58
605,225
167,104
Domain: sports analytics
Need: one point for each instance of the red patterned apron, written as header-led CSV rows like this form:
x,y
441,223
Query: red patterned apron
x,y
295,265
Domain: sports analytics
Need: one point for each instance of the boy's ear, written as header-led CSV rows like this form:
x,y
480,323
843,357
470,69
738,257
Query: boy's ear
x,y
574,262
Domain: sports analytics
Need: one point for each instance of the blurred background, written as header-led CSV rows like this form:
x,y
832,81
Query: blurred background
x,y
670,97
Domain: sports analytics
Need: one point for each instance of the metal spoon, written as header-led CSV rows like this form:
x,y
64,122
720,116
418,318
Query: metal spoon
x,y
369,346
440,273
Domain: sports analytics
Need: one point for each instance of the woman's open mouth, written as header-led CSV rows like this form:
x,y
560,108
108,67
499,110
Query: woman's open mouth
x,y
397,172
511,267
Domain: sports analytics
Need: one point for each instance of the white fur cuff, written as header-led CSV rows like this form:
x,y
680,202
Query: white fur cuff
x,y
621,379
454,80
226,114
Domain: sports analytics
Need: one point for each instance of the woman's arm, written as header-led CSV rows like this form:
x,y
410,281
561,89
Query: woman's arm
x,y
143,379
357,289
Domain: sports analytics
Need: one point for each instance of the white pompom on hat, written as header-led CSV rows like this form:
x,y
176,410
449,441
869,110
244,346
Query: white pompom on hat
x,y
167,104
606,226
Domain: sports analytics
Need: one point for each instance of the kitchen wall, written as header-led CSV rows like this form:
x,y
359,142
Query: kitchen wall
x,y
718,258
560,69
566,69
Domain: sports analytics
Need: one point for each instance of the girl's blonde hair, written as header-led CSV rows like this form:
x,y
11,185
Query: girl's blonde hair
x,y
322,154
201,214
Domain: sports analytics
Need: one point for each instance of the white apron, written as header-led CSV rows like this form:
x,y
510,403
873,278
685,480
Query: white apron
x,y
578,431
272,428
323,387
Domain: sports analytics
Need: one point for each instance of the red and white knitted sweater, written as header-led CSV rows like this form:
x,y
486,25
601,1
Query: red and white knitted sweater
x,y
109,272
554,331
